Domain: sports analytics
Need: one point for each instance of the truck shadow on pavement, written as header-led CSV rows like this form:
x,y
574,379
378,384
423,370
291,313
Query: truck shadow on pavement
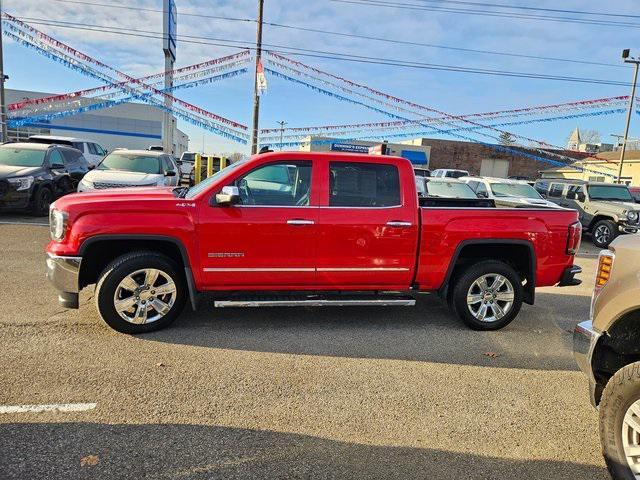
x,y
101,451
539,338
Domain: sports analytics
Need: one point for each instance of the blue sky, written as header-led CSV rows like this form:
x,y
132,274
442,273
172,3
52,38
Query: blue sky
x,y
453,92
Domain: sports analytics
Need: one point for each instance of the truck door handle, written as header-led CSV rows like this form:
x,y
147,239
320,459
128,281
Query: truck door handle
x,y
300,221
398,224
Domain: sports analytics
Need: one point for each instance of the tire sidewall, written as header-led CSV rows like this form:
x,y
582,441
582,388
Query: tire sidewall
x,y
620,393
37,200
120,268
612,227
466,279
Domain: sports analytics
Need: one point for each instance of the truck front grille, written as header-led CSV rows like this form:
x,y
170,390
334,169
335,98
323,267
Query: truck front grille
x,y
101,185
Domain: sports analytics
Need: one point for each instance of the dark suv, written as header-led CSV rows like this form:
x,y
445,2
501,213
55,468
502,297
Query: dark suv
x,y
33,175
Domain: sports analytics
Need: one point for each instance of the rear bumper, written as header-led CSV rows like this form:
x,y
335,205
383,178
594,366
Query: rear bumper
x,y
64,272
585,339
568,276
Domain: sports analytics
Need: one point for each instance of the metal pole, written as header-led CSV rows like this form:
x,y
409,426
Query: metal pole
x,y
256,97
167,120
3,105
629,113
282,123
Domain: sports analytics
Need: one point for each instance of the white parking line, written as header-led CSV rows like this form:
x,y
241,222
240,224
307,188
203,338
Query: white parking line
x,y
53,407
23,223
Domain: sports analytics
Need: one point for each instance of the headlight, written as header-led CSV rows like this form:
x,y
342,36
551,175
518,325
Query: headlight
x,y
632,216
21,183
57,223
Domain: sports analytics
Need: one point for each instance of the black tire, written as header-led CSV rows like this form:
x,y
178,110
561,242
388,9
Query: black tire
x,y
123,266
620,393
604,226
464,280
41,201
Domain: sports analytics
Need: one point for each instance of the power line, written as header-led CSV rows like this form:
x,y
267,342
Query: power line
x,y
522,16
525,7
284,49
364,37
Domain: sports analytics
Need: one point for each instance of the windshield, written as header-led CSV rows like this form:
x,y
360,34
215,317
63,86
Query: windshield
x,y
448,190
188,157
514,190
606,192
196,189
132,162
21,157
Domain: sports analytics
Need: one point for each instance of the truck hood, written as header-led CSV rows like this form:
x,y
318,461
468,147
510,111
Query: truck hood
x,y
7,171
525,202
614,206
126,198
123,177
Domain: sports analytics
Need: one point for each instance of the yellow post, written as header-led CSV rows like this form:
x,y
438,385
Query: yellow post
x,y
223,162
209,166
197,168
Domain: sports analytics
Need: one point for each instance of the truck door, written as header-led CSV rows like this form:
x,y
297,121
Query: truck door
x,y
268,241
368,228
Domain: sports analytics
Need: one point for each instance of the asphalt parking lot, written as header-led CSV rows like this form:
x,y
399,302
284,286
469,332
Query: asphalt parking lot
x,y
290,393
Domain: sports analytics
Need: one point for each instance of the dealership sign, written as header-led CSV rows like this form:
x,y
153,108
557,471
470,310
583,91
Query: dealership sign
x,y
170,22
349,147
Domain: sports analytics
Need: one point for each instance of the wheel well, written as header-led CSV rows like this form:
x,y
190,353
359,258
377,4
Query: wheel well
x,y
98,254
520,256
597,218
618,347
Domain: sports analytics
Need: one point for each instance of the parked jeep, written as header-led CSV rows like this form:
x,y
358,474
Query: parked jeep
x,y
606,209
607,348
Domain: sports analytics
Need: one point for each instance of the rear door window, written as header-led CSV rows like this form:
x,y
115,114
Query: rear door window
x,y
556,190
358,184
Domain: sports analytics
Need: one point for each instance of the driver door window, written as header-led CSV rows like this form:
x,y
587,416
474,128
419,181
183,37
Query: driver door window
x,y
286,184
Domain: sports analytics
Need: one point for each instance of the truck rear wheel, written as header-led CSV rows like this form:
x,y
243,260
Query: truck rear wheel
x,y
620,423
487,295
140,292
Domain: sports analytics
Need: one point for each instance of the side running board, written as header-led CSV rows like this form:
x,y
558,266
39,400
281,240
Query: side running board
x,y
317,302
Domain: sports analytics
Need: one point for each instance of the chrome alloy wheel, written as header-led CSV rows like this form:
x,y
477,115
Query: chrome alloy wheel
x,y
490,297
144,296
602,234
631,437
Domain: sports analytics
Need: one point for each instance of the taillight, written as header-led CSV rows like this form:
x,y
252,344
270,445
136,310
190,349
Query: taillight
x,y
603,273
574,239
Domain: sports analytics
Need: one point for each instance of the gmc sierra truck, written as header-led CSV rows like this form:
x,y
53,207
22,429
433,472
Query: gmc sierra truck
x,y
301,228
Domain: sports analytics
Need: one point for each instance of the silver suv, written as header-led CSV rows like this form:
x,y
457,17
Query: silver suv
x,y
606,209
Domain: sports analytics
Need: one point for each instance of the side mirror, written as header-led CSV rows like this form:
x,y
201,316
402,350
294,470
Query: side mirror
x,y
482,194
169,173
581,197
179,162
571,195
229,195
57,166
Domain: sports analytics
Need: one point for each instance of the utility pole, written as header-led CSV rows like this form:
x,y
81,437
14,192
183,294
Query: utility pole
x,y
282,123
256,93
636,62
3,104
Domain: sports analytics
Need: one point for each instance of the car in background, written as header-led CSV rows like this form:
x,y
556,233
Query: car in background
x,y
92,152
606,209
186,162
429,187
607,349
449,173
635,193
156,148
132,168
507,193
33,175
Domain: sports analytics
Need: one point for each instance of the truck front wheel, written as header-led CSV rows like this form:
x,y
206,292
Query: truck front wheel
x,y
140,292
487,295
620,423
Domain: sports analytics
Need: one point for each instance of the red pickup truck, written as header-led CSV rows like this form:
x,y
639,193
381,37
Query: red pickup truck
x,y
300,228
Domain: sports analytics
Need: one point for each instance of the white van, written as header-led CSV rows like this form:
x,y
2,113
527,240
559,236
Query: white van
x,y
449,173
93,152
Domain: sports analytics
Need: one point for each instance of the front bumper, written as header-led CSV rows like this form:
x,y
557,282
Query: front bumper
x,y
64,272
12,199
568,276
629,227
585,339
